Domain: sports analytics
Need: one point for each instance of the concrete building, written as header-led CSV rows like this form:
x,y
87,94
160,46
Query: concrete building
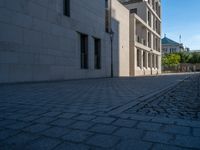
x,y
73,39
170,46
145,36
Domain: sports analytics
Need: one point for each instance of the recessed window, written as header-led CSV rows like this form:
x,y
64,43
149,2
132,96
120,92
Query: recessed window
x,y
97,53
67,8
107,16
149,60
133,11
84,51
138,58
144,60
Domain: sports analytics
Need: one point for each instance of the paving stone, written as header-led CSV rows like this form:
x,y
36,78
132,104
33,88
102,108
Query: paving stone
x,y
82,125
187,141
56,132
30,118
158,137
45,120
71,146
18,125
7,133
104,141
133,145
164,120
106,120
51,114
167,147
101,128
21,139
85,117
188,123
149,126
177,129
43,143
6,122
67,115
129,133
196,132
62,122
36,128
77,136
125,123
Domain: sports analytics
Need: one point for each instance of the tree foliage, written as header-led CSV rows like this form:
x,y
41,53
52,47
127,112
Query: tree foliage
x,y
171,59
174,59
195,58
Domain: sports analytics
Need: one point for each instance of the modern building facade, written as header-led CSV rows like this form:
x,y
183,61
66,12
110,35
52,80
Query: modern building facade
x,y
145,36
170,46
73,39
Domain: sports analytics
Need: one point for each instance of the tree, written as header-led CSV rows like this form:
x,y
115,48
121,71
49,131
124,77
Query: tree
x,y
171,60
195,58
184,57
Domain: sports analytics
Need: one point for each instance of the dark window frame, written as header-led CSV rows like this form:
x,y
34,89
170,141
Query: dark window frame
x,y
66,7
97,53
84,45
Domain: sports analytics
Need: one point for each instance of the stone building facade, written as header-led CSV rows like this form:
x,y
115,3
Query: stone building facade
x,y
45,40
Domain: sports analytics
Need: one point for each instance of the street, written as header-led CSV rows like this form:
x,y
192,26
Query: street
x,y
150,113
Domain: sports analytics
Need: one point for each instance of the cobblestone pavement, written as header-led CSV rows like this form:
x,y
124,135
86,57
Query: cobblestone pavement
x,y
121,113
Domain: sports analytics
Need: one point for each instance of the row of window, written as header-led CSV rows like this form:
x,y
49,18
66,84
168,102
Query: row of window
x,y
155,6
156,23
147,60
84,52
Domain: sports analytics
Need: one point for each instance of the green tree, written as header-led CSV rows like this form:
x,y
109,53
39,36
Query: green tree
x,y
195,58
184,57
171,60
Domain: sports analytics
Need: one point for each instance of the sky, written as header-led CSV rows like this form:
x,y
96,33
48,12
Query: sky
x,y
182,17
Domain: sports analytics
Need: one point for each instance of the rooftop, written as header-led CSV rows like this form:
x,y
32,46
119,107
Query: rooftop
x,y
166,40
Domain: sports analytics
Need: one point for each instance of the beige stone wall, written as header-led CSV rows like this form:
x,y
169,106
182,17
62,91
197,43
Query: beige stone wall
x,y
120,26
37,42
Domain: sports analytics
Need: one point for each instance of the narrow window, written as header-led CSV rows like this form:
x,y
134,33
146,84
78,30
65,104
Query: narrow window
x,y
97,53
84,51
67,8
107,15
149,18
144,59
153,61
149,60
149,39
157,62
138,58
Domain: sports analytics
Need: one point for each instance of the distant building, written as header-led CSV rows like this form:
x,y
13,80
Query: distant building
x,y
170,46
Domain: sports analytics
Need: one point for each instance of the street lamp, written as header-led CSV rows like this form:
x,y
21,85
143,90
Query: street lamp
x,y
111,42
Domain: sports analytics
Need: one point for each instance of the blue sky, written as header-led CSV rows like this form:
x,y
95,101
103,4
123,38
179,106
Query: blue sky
x,y
182,17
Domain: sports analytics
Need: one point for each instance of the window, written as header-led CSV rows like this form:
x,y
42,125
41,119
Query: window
x,y
84,51
67,8
138,58
157,62
149,60
97,53
107,17
153,61
133,11
149,18
144,60
149,39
